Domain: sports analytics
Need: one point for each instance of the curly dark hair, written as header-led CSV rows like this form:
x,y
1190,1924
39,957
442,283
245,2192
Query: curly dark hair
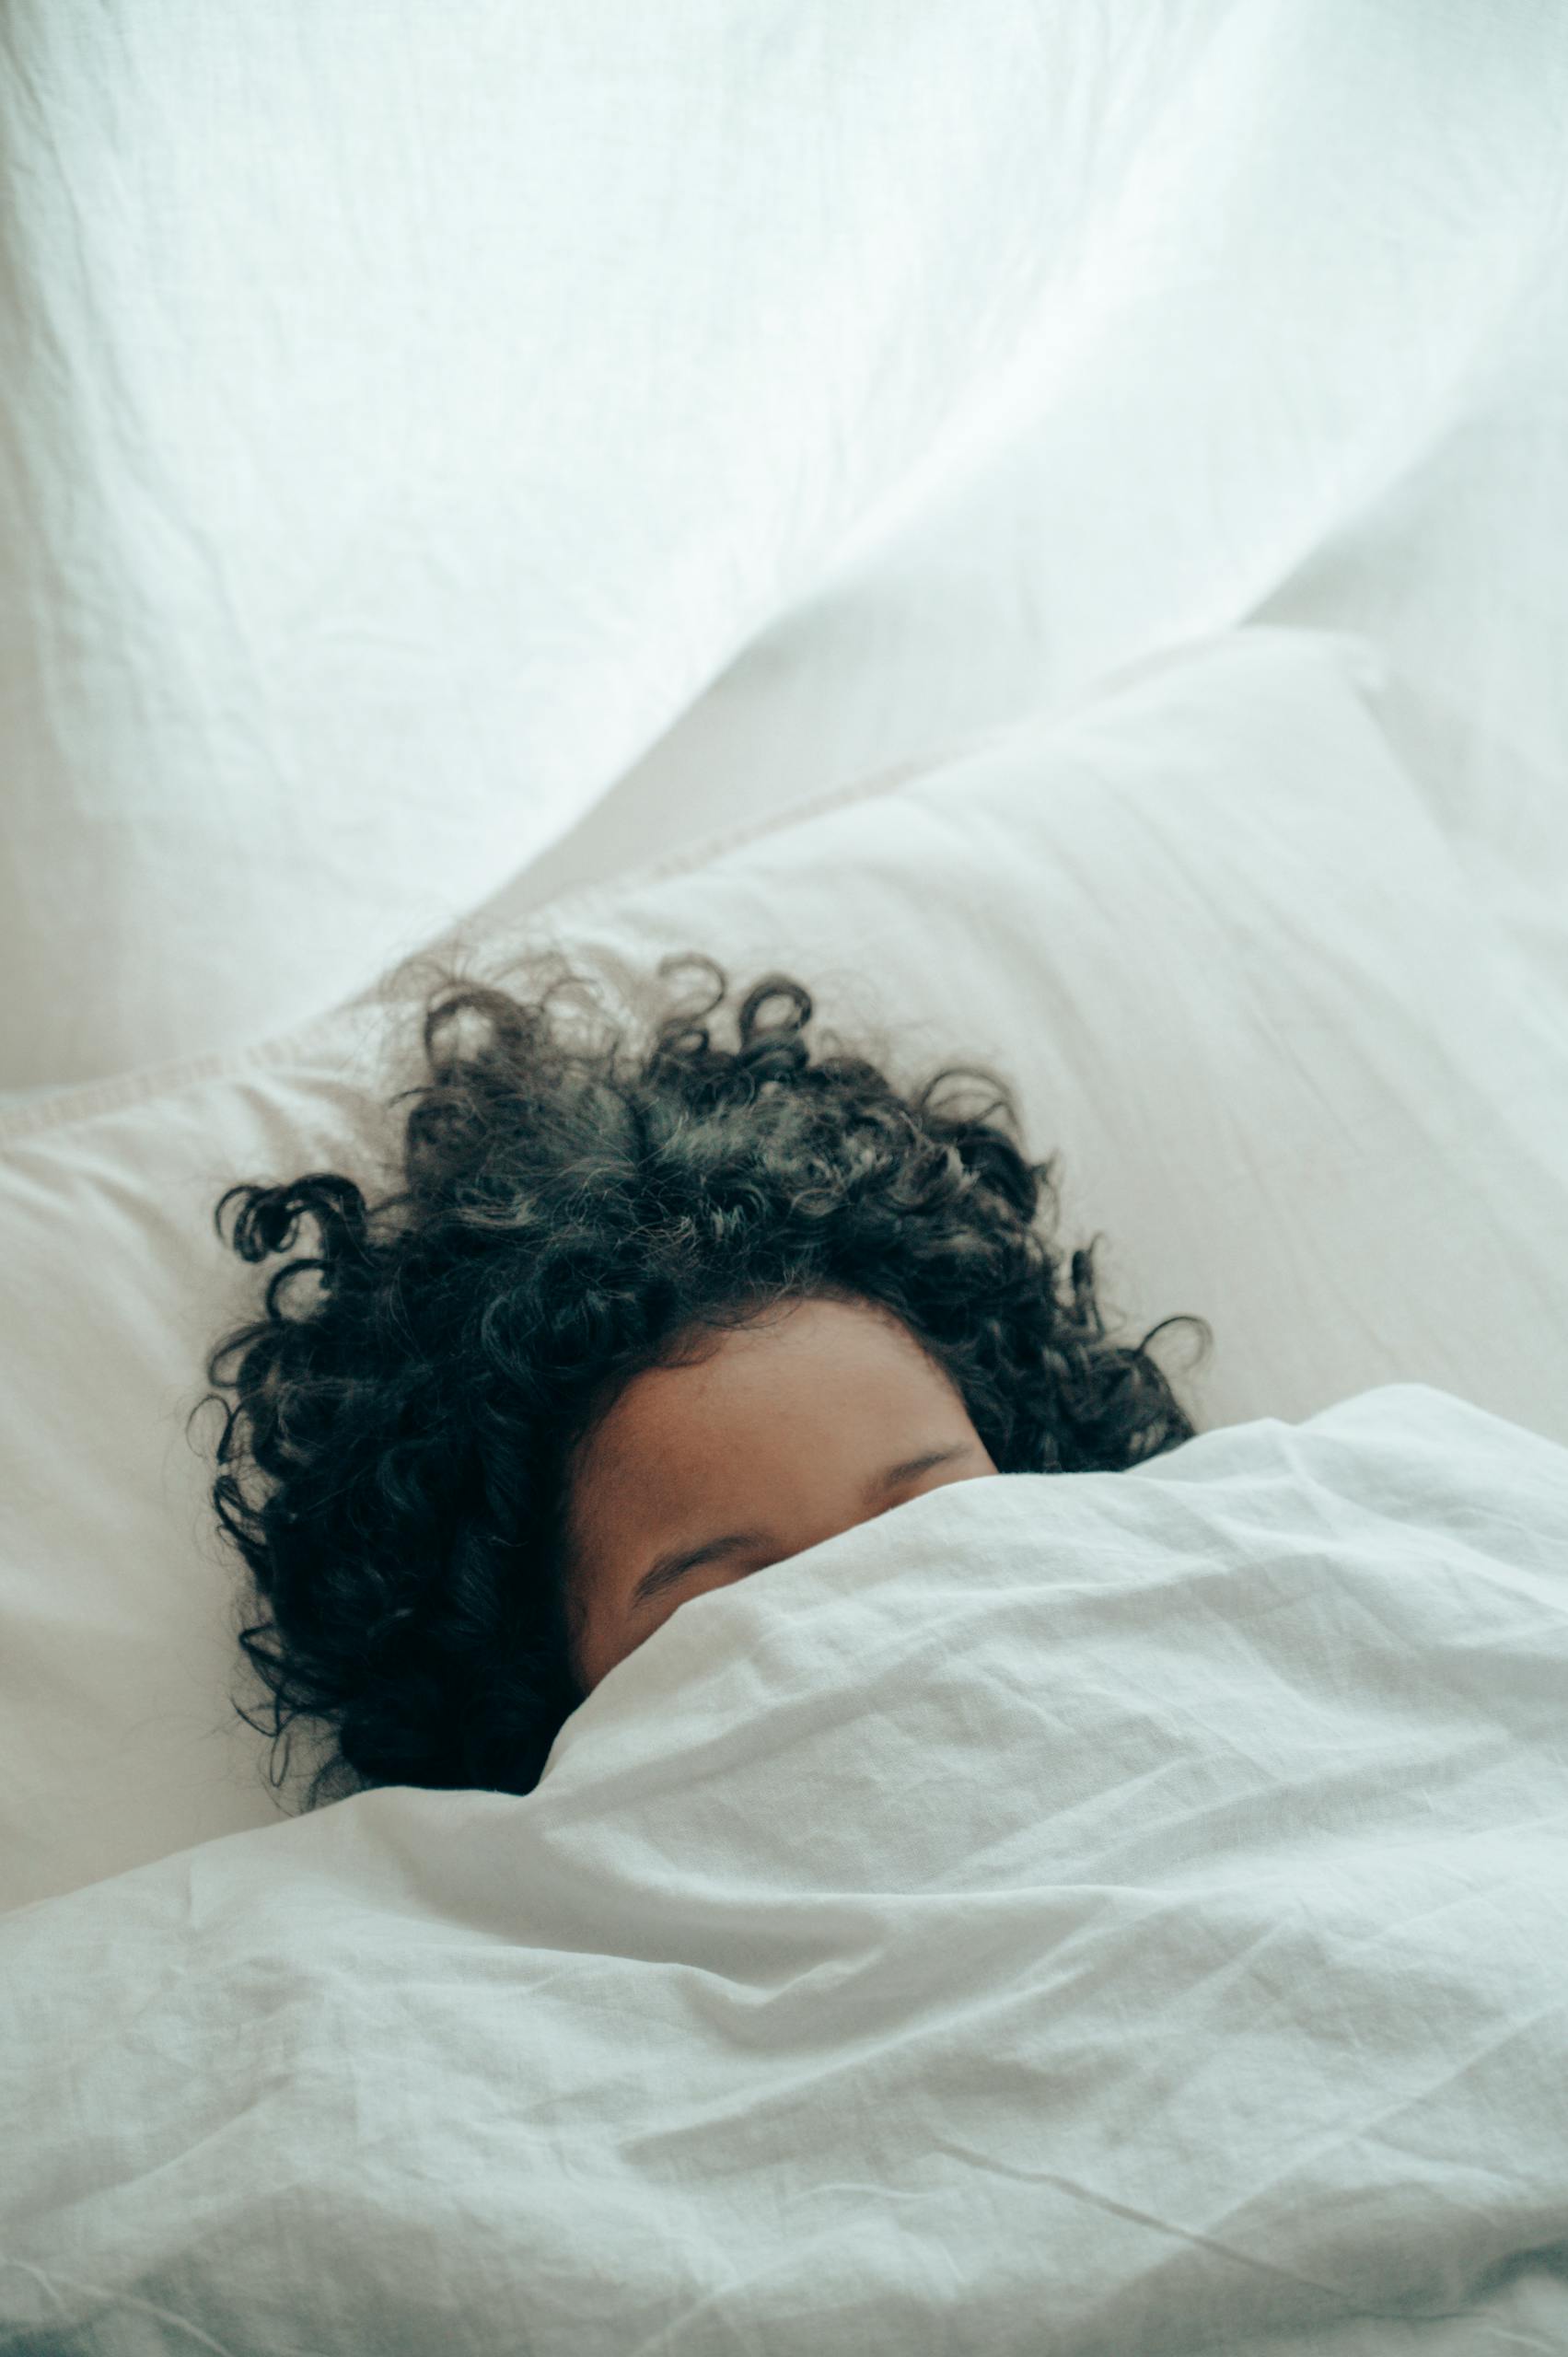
x,y
571,1214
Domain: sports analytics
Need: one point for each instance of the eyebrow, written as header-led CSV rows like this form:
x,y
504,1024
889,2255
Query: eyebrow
x,y
669,1567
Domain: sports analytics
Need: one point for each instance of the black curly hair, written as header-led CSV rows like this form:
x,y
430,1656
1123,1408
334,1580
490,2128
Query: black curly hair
x,y
571,1214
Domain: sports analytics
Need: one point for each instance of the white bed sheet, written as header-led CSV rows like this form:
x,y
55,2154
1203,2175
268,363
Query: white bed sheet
x,y
1063,1917
1307,363
937,362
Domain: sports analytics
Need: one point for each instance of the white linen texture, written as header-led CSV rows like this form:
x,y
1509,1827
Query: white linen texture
x,y
1067,1916
443,442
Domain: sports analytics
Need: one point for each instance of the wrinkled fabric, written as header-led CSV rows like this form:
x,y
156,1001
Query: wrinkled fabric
x,y
1066,1916
439,449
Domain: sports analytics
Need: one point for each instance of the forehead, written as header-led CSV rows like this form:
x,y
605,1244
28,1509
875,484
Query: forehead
x,y
819,1368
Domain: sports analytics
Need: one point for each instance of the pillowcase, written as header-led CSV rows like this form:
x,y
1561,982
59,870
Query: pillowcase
x,y
1201,922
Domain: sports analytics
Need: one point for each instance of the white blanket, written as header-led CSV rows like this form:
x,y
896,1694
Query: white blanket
x,y
426,430
1114,1913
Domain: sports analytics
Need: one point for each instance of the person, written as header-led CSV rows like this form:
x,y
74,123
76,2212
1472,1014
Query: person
x,y
645,1314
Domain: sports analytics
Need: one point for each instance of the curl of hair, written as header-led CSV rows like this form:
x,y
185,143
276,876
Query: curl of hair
x,y
395,1461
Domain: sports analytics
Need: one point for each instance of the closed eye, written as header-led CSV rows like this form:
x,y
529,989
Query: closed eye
x,y
669,1567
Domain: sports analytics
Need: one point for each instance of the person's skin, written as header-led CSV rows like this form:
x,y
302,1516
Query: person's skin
x,y
786,1430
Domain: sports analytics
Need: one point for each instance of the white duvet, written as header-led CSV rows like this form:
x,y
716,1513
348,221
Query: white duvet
x,y
1114,1913
446,446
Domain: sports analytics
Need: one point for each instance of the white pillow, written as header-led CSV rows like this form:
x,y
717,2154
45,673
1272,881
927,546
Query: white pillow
x,y
1202,923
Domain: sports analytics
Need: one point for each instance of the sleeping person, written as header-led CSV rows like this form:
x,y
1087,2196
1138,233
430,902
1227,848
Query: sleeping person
x,y
638,1320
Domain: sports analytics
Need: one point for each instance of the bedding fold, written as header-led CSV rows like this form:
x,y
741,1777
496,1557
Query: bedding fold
x,y
1077,1913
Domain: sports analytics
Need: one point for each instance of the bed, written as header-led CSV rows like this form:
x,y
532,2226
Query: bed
x,y
1091,1915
